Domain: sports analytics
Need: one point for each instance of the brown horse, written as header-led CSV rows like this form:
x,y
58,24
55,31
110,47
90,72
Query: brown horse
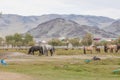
x,y
91,48
111,48
118,48
88,48
97,49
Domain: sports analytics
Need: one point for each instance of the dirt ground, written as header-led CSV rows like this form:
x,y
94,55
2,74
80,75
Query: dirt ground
x,y
13,76
16,56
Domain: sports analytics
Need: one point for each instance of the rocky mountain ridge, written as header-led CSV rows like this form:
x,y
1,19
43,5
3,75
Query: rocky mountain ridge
x,y
66,28
12,23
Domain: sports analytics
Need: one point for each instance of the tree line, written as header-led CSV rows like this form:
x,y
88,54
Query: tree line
x,y
27,40
17,40
86,40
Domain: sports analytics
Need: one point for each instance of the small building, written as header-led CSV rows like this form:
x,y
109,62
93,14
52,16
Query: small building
x,y
108,39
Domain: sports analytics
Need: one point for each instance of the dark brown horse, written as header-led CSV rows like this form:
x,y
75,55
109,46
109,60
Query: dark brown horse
x,y
110,48
34,49
117,48
97,49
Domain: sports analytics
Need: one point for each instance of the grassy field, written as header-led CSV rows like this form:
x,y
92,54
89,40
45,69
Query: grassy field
x,y
64,52
46,68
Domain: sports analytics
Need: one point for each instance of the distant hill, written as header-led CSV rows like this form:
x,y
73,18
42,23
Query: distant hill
x,y
63,27
11,23
114,27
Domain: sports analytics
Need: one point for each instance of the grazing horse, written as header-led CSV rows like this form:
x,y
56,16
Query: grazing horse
x,y
111,48
47,48
88,48
43,49
97,49
118,47
35,48
91,48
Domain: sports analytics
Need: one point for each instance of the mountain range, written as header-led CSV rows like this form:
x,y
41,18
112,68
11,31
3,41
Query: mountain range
x,y
114,27
60,27
54,25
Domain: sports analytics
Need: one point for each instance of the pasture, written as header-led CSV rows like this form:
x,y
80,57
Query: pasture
x,y
64,65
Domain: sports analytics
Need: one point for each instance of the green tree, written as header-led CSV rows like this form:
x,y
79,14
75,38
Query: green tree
x,y
27,39
103,42
31,43
17,39
10,40
75,41
55,42
87,39
117,41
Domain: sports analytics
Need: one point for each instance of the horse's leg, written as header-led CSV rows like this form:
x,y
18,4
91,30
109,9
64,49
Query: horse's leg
x,y
39,52
91,51
51,52
84,50
32,52
106,50
29,52
99,50
46,52
117,50
111,50
42,50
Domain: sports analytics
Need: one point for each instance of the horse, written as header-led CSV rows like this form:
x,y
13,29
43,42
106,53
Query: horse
x,y
111,48
47,48
35,48
117,48
91,48
97,49
43,49
88,48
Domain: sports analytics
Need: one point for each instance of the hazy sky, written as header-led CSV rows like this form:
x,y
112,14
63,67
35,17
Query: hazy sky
x,y
109,8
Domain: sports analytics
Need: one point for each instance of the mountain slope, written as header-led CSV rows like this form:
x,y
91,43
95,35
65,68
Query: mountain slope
x,y
65,28
114,27
11,23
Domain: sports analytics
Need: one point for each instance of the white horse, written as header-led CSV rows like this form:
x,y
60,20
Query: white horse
x,y
47,48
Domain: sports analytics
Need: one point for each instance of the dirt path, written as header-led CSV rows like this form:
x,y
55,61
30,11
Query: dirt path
x,y
16,56
13,76
57,57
